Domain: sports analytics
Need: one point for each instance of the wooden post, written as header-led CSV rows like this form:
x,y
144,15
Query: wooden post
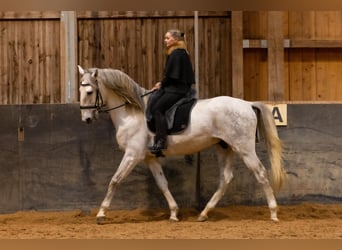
x,y
196,53
68,34
237,54
275,37
198,155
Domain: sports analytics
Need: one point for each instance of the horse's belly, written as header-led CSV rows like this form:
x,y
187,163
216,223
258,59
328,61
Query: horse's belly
x,y
179,146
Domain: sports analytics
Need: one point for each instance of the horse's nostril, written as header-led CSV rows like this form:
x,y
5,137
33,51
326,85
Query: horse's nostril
x,y
88,120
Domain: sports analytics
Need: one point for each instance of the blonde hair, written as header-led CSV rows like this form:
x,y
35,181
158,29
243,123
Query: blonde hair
x,y
177,34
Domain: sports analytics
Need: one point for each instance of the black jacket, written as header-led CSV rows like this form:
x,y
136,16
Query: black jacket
x,y
178,72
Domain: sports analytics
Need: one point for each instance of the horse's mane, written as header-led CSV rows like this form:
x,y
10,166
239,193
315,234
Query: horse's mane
x,y
123,85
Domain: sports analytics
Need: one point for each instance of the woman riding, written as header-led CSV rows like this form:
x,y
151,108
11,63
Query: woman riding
x,y
178,77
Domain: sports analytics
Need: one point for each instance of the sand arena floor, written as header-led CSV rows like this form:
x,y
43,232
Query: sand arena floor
x,y
304,221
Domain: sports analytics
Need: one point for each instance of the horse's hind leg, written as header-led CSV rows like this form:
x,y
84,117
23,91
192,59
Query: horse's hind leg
x,y
253,163
162,183
226,174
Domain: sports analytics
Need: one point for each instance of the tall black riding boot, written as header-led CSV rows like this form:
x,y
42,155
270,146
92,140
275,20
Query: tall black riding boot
x,y
161,135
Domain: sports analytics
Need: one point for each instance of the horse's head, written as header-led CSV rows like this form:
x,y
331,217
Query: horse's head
x,y
90,97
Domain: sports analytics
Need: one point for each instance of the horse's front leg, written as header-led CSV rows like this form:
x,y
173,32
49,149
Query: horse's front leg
x,y
128,162
162,183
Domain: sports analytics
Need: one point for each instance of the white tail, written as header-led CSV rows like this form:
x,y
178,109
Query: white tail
x,y
267,126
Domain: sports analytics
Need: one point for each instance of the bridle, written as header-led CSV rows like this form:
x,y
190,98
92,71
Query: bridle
x,y
99,104
98,101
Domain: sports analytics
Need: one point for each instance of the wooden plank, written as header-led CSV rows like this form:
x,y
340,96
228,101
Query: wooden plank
x,y
334,77
327,68
295,31
148,32
275,56
237,54
313,43
255,75
295,75
338,86
293,43
255,24
322,24
225,64
333,64
3,61
335,24
321,83
308,74
216,59
205,57
308,25
15,15
148,14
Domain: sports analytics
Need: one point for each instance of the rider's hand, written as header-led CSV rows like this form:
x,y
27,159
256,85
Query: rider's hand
x,y
156,86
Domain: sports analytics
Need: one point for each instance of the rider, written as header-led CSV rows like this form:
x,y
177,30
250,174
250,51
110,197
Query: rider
x,y
176,83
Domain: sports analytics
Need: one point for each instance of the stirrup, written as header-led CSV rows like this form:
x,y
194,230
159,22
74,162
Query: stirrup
x,y
156,150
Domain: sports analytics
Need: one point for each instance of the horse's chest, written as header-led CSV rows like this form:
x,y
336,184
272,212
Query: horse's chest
x,y
128,134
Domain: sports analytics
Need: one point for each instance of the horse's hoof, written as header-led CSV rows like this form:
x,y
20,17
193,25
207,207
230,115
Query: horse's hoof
x,y
173,219
202,218
274,216
275,219
100,220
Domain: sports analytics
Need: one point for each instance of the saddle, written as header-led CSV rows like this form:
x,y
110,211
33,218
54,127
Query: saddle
x,y
178,116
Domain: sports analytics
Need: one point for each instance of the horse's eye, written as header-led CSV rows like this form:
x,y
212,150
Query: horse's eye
x,y
89,92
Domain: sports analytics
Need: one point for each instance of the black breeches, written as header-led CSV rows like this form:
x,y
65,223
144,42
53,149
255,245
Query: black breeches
x,y
161,101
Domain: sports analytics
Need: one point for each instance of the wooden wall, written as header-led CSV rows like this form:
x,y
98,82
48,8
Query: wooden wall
x,y
312,57
281,56
34,57
29,59
134,43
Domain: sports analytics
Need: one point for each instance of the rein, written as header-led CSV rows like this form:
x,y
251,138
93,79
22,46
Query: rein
x,y
99,104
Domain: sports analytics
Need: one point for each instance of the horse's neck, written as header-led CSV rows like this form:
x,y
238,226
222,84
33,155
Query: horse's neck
x,y
145,95
121,116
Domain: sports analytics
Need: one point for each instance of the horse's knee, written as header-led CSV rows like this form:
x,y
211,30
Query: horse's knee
x,y
259,171
112,184
261,175
228,176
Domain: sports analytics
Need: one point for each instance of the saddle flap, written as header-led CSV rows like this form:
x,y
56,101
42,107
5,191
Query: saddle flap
x,y
178,116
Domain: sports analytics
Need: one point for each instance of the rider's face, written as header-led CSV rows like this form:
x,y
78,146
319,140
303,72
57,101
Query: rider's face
x,y
169,40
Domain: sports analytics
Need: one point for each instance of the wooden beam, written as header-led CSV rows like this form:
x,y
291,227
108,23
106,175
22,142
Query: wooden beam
x,y
315,43
68,36
293,43
81,14
275,50
196,54
27,15
237,54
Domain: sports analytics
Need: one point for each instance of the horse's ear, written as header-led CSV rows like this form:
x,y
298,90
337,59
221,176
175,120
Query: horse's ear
x,y
94,74
81,70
